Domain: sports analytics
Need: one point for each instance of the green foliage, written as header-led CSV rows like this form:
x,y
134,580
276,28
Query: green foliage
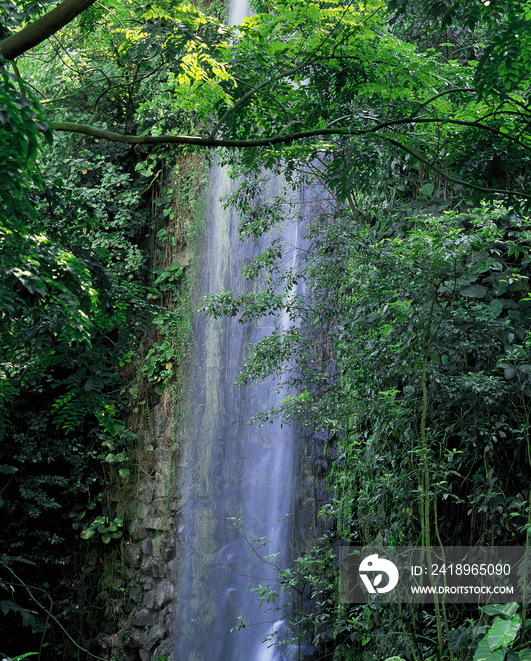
x,y
416,273
35,270
500,637
106,528
74,290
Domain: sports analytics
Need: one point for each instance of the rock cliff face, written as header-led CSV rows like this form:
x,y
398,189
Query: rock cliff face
x,y
151,554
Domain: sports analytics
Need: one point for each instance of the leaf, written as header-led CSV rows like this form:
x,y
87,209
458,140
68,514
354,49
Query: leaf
x,y
163,276
87,533
525,655
503,631
509,372
473,291
106,538
496,307
483,652
501,609
427,189
6,605
124,472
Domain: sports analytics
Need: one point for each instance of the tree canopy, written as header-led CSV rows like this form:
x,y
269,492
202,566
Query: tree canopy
x,y
302,73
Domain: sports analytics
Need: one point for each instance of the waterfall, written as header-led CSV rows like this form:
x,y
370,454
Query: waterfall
x,y
230,469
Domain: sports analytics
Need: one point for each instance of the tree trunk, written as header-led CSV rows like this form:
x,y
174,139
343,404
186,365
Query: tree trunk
x,y
38,31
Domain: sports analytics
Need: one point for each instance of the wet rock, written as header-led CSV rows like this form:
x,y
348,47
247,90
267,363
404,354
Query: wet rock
x,y
151,566
149,600
164,649
169,549
153,546
161,487
132,554
156,523
160,423
137,531
146,488
142,510
320,467
163,454
159,508
184,258
147,582
137,638
163,592
172,570
164,469
144,617
156,634
135,593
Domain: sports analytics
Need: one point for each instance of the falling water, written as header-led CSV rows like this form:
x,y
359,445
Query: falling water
x,y
232,471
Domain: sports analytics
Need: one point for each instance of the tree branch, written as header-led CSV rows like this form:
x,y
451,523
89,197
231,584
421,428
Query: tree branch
x,y
43,28
71,127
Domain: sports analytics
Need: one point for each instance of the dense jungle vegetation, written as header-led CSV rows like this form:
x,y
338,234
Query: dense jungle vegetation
x,y
409,350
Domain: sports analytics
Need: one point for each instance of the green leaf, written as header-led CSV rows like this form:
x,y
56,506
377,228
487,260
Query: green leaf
x,y
525,655
162,276
427,190
106,538
496,307
503,631
473,291
483,652
501,609
87,533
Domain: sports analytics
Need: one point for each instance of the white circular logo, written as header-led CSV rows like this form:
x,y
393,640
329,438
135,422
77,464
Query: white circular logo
x,y
374,563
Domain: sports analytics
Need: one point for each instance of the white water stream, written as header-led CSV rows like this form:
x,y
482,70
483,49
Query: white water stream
x,y
231,469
